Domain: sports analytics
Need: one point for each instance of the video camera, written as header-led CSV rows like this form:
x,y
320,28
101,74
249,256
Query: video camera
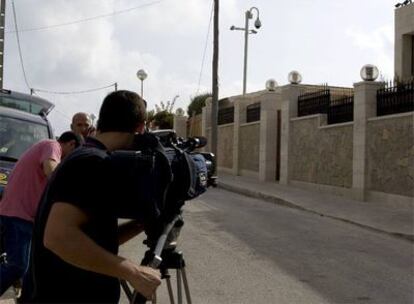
x,y
153,181
156,177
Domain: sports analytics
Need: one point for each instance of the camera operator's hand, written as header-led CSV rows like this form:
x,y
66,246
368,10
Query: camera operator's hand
x,y
145,280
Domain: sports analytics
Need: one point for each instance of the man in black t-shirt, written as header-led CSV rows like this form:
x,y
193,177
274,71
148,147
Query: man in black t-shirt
x,y
76,236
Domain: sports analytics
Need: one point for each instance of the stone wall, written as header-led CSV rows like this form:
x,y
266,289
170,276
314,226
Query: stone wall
x,y
321,155
249,142
194,127
390,160
225,146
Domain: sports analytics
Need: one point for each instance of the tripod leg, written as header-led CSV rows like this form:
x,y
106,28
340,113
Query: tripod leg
x,y
170,292
179,289
186,287
126,289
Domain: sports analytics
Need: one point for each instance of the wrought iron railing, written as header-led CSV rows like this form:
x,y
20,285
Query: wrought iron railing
x,y
225,115
253,112
337,103
395,97
314,102
341,110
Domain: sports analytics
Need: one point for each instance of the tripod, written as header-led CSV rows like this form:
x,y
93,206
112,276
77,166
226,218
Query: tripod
x,y
165,257
177,262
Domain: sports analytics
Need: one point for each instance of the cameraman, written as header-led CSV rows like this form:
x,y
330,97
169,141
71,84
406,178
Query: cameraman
x,y
76,235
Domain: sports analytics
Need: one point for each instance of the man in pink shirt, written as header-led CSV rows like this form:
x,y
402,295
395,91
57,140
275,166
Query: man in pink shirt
x,y
19,204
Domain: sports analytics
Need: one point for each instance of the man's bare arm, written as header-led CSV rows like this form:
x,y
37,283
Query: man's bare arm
x,y
64,237
129,230
49,165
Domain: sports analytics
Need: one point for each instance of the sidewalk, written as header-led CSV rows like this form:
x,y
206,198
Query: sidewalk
x,y
392,219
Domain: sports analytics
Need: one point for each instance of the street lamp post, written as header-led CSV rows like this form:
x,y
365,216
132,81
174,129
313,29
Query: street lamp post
x,y
247,31
142,75
93,117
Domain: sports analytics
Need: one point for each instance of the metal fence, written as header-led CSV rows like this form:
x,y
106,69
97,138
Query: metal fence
x,y
337,103
253,112
225,116
314,102
395,97
341,110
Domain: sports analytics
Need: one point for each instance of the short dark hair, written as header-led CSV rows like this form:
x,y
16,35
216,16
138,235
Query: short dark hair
x,y
121,111
68,136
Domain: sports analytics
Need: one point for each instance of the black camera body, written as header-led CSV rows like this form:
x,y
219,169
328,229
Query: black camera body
x,y
153,180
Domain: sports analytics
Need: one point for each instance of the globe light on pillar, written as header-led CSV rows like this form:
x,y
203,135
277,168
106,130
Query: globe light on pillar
x,y
180,112
369,72
294,77
271,85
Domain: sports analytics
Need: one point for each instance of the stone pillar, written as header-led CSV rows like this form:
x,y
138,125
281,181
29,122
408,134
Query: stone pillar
x,y
365,106
206,123
289,98
268,130
180,125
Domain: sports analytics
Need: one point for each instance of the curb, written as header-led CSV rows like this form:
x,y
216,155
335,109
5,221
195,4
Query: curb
x,y
281,202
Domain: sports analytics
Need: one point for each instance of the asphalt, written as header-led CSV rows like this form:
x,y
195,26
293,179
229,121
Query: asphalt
x,y
396,219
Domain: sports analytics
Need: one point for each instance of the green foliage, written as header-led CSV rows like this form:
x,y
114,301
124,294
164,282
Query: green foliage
x,y
162,117
150,117
163,120
168,107
197,103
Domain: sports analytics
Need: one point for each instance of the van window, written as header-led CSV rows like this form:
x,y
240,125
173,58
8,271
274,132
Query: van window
x,y
20,104
16,136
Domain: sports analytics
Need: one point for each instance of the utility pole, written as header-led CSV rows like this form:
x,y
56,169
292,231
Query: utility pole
x,y
2,24
214,104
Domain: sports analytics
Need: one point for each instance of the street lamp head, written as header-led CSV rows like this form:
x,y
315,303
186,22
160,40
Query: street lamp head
x,y
232,28
257,23
249,15
142,75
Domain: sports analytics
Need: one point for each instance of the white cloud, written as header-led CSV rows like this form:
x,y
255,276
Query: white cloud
x,y
168,38
378,45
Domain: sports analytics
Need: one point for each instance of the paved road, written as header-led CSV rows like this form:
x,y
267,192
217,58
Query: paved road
x,y
243,250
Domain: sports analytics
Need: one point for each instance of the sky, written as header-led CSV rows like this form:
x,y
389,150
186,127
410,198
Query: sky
x,y
326,41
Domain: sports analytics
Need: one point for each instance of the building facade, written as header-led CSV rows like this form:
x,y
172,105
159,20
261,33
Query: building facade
x,y
404,42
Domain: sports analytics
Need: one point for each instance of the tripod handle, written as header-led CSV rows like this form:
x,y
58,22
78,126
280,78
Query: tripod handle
x,y
156,260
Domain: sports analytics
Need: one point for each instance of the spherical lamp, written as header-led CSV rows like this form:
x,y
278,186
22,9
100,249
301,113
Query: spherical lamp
x,y
271,85
142,75
294,77
179,112
369,72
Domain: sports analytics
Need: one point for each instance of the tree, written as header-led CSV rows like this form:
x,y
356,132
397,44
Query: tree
x,y
162,117
197,103
150,117
163,120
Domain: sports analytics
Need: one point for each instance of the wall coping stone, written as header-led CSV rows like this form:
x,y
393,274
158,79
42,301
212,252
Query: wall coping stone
x,y
399,115
250,123
338,125
306,117
225,125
